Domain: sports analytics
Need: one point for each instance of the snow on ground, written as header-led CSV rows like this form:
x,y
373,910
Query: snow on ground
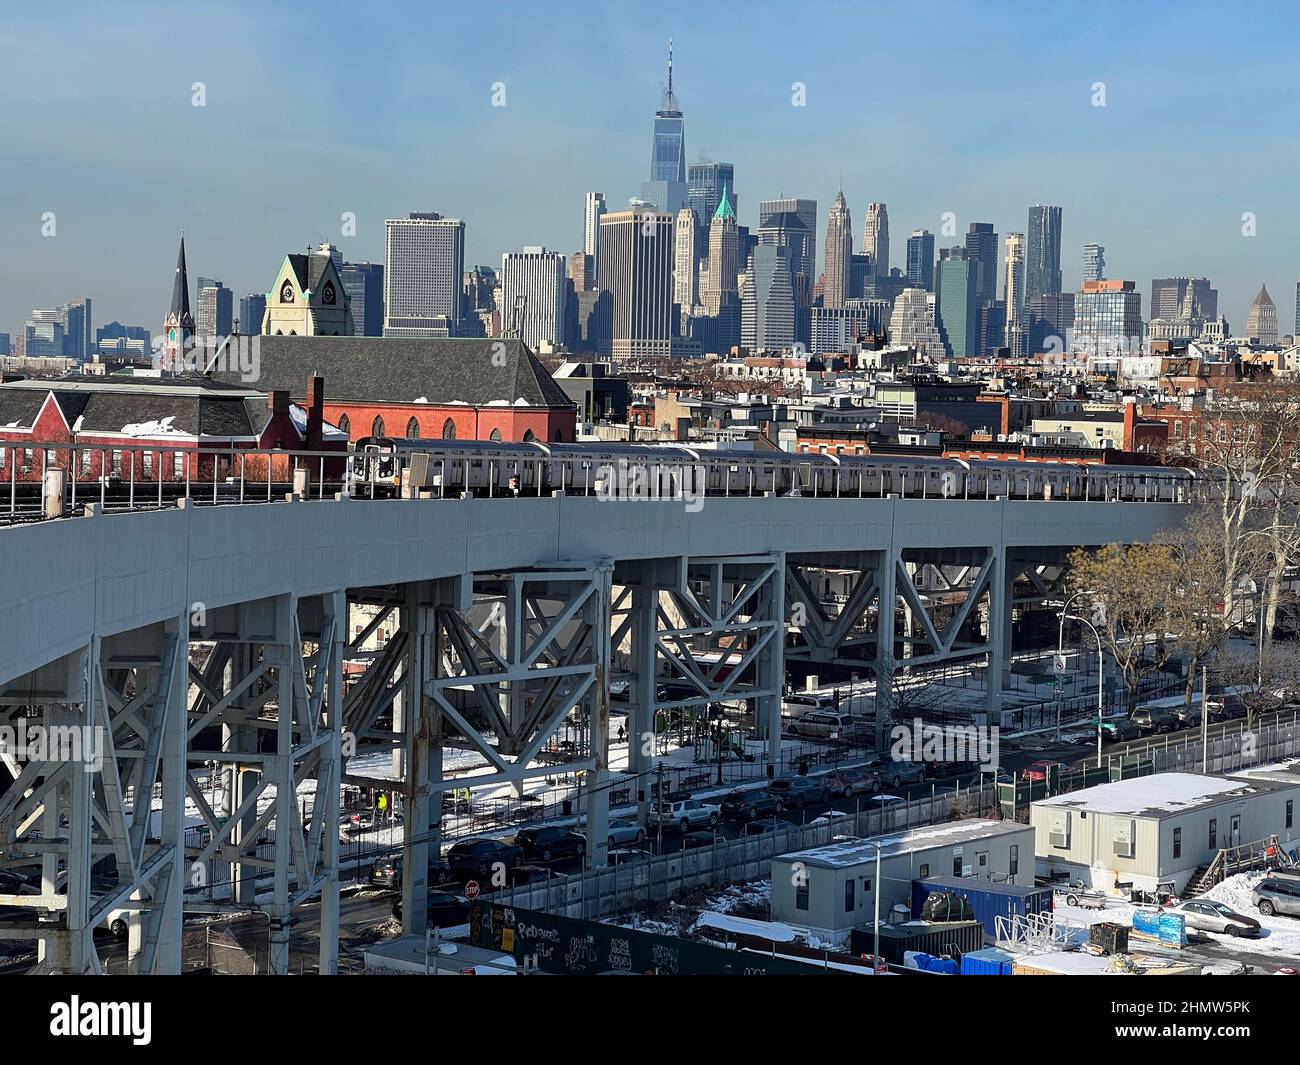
x,y
1278,936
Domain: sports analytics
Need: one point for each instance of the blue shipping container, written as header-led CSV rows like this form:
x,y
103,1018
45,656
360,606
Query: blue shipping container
x,y
990,900
987,962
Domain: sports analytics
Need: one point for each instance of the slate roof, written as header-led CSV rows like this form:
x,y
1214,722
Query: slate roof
x,y
393,370
187,405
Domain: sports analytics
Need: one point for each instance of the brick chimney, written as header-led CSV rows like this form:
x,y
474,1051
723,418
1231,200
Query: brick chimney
x,y
278,401
315,412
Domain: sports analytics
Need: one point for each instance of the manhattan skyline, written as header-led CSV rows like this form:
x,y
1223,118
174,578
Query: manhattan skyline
x,y
302,123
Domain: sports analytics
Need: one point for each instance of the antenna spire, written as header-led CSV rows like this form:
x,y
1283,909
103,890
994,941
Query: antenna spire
x,y
670,66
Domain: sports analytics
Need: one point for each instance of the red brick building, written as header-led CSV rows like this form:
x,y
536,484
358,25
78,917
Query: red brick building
x,y
463,389
146,429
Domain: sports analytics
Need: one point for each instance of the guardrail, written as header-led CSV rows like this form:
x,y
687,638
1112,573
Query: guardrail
x,y
153,476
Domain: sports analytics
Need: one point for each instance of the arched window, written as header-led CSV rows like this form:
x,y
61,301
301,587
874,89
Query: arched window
x,y
449,430
496,435
377,427
345,426
528,436
412,429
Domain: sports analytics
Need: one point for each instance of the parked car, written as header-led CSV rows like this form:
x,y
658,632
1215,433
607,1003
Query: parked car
x,y
1151,720
1117,729
948,770
387,872
478,857
766,825
1277,896
820,724
747,805
796,706
550,842
694,840
1038,770
445,909
897,772
858,781
684,814
884,802
625,832
1206,915
798,792
624,855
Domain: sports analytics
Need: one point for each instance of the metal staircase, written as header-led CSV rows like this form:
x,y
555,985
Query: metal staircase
x,y
1260,854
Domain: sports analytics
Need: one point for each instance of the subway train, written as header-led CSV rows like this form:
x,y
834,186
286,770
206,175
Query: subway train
x,y
378,467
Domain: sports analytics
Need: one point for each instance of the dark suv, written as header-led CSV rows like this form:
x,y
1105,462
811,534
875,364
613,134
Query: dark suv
x,y
1151,720
747,805
797,792
478,857
550,842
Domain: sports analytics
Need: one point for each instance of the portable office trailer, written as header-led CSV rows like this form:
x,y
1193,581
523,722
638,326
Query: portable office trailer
x,y
1157,829
832,889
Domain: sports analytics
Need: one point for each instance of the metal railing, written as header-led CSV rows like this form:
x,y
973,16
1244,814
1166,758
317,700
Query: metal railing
x,y
153,476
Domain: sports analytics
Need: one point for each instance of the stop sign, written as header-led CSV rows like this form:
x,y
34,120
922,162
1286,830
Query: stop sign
x,y
471,890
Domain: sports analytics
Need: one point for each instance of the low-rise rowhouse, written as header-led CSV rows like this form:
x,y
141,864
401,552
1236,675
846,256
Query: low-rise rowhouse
x,y
147,428
1157,829
831,889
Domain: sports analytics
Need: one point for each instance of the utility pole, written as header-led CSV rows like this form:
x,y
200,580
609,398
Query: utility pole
x,y
1205,722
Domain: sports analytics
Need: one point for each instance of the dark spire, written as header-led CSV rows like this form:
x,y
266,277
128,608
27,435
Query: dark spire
x,y
180,309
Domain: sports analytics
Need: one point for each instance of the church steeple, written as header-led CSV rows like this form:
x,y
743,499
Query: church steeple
x,y
178,329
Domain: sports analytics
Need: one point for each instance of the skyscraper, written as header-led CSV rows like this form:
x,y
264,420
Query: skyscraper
x,y
364,284
839,252
666,188
956,307
591,214
1094,262
805,263
1107,318
685,276
636,269
767,302
704,189
1261,319
533,291
78,330
1043,252
875,239
252,309
982,250
216,309
920,259
912,323
422,278
724,263
1013,296
1183,297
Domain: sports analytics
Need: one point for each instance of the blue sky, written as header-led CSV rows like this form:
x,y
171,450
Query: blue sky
x,y
380,109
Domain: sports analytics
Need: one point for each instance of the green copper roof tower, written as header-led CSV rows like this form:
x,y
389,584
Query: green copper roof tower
x,y
724,210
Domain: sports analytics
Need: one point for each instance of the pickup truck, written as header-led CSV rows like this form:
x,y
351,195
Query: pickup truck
x,y
684,814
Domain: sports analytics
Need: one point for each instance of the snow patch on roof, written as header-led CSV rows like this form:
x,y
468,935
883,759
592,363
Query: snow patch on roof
x,y
157,427
1159,793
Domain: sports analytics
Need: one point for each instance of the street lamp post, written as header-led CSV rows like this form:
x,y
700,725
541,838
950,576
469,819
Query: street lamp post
x,y
1101,668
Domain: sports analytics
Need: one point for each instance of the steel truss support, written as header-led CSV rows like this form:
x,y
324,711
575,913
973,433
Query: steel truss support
x,y
280,710
93,805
